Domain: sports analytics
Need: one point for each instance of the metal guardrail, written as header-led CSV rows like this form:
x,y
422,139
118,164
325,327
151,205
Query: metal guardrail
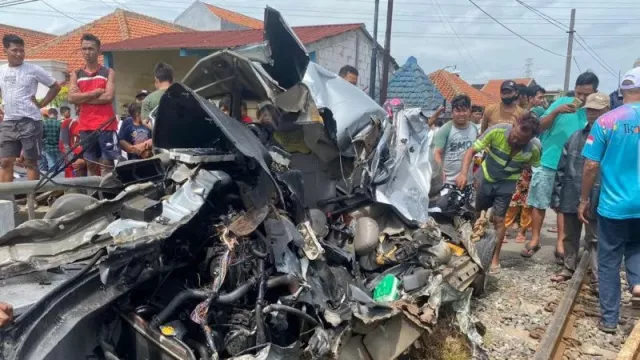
x,y
28,187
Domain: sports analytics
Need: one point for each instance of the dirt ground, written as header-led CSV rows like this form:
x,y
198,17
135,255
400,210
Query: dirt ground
x,y
517,307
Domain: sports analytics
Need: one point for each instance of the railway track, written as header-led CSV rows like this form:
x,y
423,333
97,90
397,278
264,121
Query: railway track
x,y
579,302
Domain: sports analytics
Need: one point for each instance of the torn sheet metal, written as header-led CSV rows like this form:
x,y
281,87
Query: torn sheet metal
x,y
249,221
466,322
352,110
42,244
215,75
186,120
179,208
391,339
274,352
290,58
409,178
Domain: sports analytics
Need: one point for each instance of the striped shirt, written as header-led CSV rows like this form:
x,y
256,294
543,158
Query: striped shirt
x,y
18,85
497,166
92,116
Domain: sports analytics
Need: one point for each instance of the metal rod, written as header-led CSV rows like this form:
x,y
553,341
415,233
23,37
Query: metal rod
x,y
553,335
31,206
374,52
215,83
25,187
387,54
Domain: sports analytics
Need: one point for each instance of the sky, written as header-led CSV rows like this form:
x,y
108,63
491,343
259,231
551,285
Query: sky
x,y
439,33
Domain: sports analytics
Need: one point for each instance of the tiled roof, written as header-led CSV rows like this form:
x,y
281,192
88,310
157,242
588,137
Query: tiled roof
x,y
117,26
31,38
451,85
492,88
235,18
223,39
411,85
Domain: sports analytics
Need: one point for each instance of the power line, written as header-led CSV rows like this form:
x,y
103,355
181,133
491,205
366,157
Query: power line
x,y
580,42
444,15
603,64
61,13
594,53
360,16
546,17
10,3
513,32
577,66
121,4
449,4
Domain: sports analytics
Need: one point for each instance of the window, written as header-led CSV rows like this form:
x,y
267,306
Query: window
x,y
312,56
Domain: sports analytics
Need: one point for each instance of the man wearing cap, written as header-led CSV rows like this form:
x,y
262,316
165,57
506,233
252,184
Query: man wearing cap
x,y
141,96
563,118
566,193
612,151
507,111
616,96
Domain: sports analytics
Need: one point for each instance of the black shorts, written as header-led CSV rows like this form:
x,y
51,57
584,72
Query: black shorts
x,y
104,147
21,136
495,195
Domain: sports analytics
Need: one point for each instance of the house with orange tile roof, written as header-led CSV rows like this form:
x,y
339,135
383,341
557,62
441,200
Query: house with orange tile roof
x,y
207,17
116,26
331,46
450,85
492,87
31,38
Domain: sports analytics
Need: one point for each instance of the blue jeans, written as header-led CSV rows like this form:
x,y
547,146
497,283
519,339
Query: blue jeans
x,y
48,160
616,239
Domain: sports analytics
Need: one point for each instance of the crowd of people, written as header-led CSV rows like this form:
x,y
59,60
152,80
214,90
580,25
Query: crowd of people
x,y
579,156
46,139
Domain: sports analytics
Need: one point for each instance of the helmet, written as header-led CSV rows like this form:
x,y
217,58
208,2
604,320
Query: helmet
x,y
392,106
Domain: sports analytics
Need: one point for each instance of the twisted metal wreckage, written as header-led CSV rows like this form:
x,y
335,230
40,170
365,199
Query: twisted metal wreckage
x,y
213,249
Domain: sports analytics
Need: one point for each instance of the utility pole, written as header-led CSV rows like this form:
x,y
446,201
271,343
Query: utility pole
x,y
387,54
567,71
374,53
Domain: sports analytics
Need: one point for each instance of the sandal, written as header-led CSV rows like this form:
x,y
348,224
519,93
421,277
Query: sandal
x,y
495,270
559,257
528,251
521,239
553,229
606,328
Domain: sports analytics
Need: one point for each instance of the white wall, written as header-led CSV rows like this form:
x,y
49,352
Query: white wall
x,y
199,17
351,48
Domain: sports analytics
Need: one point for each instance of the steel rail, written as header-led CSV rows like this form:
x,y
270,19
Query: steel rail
x,y
551,345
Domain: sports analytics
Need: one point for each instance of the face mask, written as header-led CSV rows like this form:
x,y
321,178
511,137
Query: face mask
x,y
509,101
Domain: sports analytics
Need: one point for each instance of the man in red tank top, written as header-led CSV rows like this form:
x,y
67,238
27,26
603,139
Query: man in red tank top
x,y
93,88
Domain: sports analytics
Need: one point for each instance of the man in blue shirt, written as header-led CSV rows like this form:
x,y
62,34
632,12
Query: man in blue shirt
x,y
563,118
613,149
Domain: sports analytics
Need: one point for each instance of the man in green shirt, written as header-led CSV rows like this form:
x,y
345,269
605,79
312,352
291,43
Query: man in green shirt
x,y
164,78
563,118
509,148
536,99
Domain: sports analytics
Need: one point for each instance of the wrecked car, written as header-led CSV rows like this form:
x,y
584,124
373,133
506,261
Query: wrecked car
x,y
224,245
